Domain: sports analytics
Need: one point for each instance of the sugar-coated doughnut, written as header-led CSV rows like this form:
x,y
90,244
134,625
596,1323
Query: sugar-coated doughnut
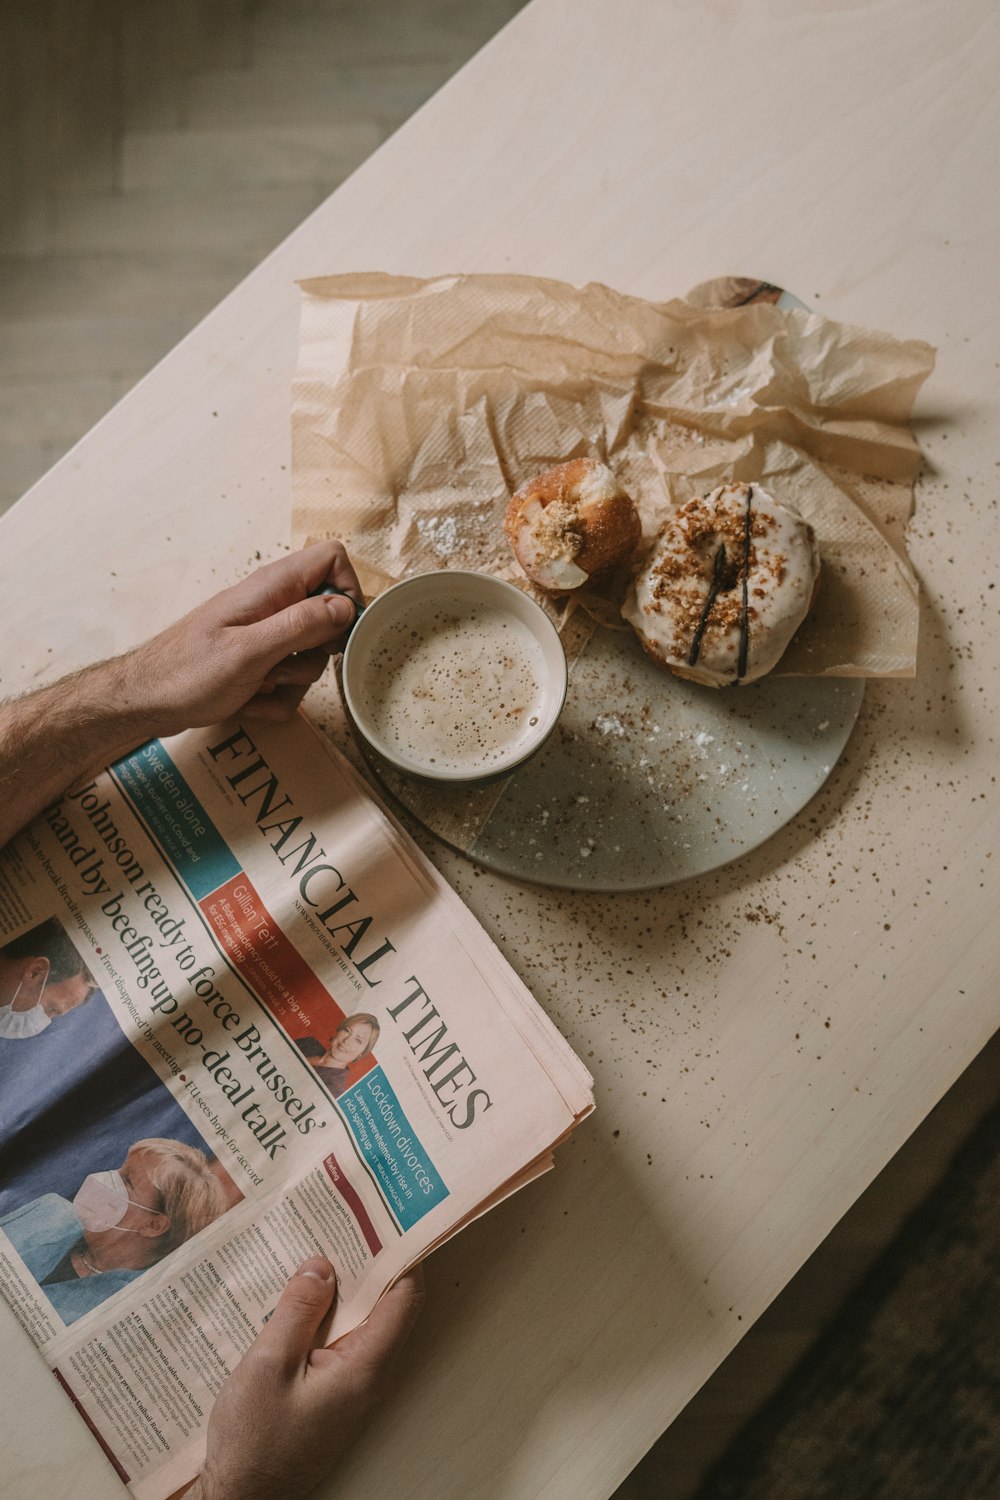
x,y
730,580
570,524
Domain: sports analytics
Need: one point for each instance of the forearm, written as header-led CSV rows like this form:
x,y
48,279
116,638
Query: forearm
x,y
63,733
254,648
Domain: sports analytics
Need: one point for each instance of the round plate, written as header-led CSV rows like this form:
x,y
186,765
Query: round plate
x,y
647,779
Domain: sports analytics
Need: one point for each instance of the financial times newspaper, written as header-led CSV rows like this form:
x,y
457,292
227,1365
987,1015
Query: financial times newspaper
x,y
242,1020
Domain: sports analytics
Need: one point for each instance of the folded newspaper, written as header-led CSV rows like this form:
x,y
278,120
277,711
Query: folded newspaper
x,y
242,1020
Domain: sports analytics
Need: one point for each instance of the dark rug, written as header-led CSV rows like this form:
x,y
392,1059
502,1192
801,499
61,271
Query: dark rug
x,y
900,1398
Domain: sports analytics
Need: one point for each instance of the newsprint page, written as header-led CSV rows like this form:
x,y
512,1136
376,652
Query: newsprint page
x,y
242,1020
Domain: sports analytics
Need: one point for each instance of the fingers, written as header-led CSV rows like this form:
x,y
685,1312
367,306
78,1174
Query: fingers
x,y
302,1306
342,575
277,585
297,671
302,626
285,685
276,706
377,1341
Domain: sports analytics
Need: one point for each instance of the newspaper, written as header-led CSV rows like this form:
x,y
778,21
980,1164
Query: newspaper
x,y
251,1023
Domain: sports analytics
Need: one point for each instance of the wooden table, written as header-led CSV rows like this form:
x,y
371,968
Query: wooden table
x,y
765,1038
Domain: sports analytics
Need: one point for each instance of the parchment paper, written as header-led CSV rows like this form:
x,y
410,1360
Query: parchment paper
x,y
421,405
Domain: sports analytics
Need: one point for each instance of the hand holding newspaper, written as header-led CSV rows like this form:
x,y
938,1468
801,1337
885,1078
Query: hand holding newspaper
x,y
272,1031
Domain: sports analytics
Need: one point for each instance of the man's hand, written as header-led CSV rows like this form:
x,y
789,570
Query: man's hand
x,y
255,648
291,1408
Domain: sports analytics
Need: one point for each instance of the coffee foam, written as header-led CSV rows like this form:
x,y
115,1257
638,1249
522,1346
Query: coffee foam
x,y
457,689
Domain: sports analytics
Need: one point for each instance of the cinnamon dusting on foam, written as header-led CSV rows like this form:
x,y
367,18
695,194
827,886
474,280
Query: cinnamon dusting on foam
x,y
457,690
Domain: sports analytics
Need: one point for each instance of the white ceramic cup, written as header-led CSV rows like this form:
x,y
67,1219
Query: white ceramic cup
x,y
424,681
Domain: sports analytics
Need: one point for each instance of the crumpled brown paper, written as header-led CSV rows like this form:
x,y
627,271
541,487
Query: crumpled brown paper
x,y
420,406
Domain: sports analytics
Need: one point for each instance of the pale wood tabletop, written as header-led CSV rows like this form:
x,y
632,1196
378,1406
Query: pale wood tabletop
x,y
765,1038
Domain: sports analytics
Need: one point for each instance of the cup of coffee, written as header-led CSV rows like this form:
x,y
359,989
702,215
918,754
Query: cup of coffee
x,y
454,677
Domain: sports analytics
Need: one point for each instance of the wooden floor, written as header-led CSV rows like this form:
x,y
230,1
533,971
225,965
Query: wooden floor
x,y
151,152
673,1468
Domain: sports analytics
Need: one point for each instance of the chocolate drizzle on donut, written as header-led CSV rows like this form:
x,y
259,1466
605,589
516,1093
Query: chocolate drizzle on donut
x,y
724,617
718,572
741,668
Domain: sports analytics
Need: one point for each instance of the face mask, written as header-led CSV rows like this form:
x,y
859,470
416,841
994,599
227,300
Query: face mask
x,y
17,1024
102,1202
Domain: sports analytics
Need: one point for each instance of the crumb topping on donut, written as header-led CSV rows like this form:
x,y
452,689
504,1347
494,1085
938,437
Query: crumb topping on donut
x,y
556,529
570,523
730,579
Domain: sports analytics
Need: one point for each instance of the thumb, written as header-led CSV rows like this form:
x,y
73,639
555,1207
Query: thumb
x,y
302,1306
376,1341
301,627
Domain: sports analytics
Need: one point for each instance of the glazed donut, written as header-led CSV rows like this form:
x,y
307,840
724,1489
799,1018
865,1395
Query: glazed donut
x,y
571,523
730,580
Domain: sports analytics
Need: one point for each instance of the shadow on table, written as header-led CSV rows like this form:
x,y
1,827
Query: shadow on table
x,y
577,1325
